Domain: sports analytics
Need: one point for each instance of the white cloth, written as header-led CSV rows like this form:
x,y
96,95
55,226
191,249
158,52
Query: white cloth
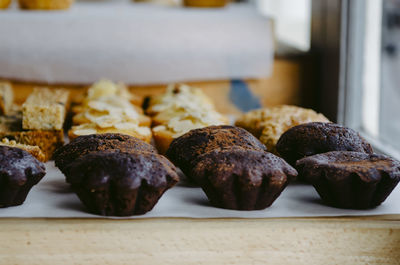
x,y
52,198
134,43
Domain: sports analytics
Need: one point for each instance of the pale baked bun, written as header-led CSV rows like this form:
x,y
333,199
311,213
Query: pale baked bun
x,y
163,139
269,124
132,129
176,96
205,3
251,121
4,4
164,134
180,109
45,4
128,114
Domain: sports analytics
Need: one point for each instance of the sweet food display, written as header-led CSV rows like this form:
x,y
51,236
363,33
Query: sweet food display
x,y
184,150
180,109
6,98
19,172
4,4
45,109
85,144
269,124
205,3
45,4
34,150
231,166
352,180
116,175
107,108
39,122
242,179
47,141
112,161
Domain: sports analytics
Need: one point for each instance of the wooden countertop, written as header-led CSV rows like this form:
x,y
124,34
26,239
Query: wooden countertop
x,y
347,240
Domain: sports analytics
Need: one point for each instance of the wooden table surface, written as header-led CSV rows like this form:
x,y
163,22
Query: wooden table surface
x,y
347,240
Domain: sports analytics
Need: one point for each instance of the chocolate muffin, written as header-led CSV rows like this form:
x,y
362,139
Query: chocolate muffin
x,y
19,172
242,179
319,137
351,179
185,149
120,183
98,142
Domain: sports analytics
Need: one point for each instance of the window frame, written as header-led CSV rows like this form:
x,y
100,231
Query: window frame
x,y
338,38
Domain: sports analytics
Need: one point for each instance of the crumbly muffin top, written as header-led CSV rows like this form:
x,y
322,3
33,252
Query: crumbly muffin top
x,y
338,165
188,147
252,120
122,170
32,149
269,124
250,167
282,118
319,137
98,142
17,166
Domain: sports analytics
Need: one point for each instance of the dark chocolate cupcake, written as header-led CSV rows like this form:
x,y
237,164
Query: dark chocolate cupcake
x,y
98,142
319,137
185,149
242,179
19,172
120,183
351,179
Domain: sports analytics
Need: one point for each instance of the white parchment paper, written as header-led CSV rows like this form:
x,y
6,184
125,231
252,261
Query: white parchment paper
x,y
52,198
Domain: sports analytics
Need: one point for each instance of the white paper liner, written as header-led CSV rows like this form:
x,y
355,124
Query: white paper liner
x,y
52,198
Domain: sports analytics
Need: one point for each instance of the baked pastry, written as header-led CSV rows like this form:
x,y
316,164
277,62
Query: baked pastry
x,y
119,183
242,179
34,150
19,172
104,89
180,109
47,141
83,145
45,109
205,3
45,4
270,123
6,97
252,120
111,110
352,180
319,137
4,4
179,125
107,108
184,150
176,95
132,129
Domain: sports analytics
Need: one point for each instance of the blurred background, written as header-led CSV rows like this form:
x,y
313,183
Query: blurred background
x,y
339,57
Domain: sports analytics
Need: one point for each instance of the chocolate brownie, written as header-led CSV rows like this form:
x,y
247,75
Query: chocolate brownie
x,y
119,183
319,137
351,179
185,149
242,179
19,172
98,142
